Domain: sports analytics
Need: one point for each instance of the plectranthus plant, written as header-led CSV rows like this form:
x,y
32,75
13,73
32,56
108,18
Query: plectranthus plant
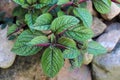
x,y
60,28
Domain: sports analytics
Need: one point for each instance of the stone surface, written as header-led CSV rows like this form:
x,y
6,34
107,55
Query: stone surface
x,y
82,73
111,36
87,58
7,6
113,26
107,66
115,10
29,68
6,56
98,26
24,68
109,40
90,8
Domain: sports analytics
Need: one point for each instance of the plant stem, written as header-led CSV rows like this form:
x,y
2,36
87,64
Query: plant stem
x,y
116,1
17,30
67,4
43,45
80,1
60,46
53,7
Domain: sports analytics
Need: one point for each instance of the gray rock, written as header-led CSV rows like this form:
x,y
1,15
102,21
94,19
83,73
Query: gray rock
x,y
29,68
98,26
6,56
107,66
109,40
113,26
115,10
111,36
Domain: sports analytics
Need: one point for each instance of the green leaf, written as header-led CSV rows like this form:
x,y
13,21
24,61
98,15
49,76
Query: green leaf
x,y
84,15
52,61
48,1
80,33
102,6
12,37
62,23
60,13
77,62
71,53
95,48
20,2
38,40
60,2
3,26
30,19
21,48
70,43
39,6
83,5
19,12
43,22
31,1
12,29
26,6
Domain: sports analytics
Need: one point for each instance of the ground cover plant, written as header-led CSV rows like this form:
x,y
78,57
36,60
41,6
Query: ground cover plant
x,y
59,27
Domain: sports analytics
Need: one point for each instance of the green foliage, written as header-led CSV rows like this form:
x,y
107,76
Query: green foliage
x,y
61,27
43,22
21,48
102,6
67,42
38,40
60,2
52,61
84,15
80,33
95,48
4,21
63,23
12,29
71,53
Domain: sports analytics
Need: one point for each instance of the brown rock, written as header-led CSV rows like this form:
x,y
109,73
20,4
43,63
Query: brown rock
x,y
24,68
109,40
98,26
7,6
87,58
115,10
81,73
90,8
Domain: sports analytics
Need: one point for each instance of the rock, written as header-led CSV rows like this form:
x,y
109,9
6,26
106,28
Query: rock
x,y
24,68
109,40
115,10
82,73
107,66
7,6
98,26
113,26
29,68
111,36
90,8
6,56
87,58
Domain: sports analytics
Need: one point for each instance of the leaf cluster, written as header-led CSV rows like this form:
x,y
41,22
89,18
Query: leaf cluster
x,y
61,27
